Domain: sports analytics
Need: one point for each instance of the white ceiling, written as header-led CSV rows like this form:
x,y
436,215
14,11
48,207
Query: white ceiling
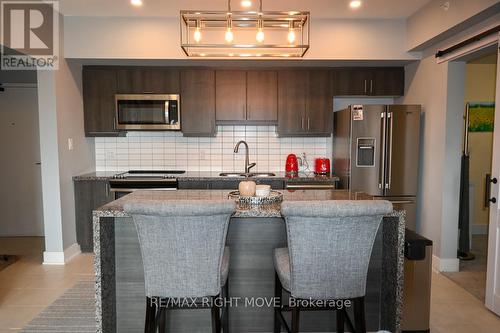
x,y
372,9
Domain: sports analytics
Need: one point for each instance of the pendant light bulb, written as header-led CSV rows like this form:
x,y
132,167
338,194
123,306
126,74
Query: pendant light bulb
x,y
229,31
229,35
197,33
260,31
260,36
291,33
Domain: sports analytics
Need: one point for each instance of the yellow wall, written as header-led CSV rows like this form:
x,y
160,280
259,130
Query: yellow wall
x,y
480,87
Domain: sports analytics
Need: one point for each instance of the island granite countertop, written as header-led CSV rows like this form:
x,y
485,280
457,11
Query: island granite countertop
x,y
115,208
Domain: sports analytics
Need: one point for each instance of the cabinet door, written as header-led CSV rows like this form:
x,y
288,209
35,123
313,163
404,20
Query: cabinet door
x,y
319,115
89,195
198,102
351,81
387,81
292,91
262,96
231,95
148,81
99,89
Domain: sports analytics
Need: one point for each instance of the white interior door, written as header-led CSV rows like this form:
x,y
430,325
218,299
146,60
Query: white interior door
x,y
20,190
493,270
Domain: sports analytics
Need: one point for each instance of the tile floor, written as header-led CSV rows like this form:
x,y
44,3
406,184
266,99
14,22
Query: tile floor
x,y
26,287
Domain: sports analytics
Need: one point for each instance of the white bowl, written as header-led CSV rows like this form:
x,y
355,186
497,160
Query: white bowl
x,y
262,190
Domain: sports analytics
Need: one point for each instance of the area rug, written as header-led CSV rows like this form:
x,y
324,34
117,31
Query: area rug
x,y
472,274
74,311
6,260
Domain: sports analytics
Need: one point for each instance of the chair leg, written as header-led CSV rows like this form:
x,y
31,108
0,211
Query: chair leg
x,y
295,319
162,327
225,319
215,319
278,295
149,316
359,314
340,320
159,313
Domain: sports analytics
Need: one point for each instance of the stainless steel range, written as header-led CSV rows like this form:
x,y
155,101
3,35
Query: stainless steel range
x,y
129,181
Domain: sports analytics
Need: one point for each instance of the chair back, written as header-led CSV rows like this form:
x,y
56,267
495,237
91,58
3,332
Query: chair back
x,y
182,244
330,245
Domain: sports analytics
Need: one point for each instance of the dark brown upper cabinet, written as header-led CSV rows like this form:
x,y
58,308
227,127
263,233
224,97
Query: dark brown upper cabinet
x,y
99,89
198,102
231,95
388,81
319,106
292,94
262,96
368,81
246,97
305,103
148,81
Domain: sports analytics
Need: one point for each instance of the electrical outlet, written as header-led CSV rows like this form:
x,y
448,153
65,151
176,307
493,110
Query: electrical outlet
x,y
202,155
70,144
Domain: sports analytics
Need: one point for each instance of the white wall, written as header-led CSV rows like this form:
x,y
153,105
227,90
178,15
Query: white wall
x,y
159,38
61,117
440,89
432,20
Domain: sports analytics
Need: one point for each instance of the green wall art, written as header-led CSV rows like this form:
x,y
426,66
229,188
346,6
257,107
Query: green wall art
x,y
481,117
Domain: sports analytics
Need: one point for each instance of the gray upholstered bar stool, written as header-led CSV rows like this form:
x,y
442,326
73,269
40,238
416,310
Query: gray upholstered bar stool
x,y
184,255
329,249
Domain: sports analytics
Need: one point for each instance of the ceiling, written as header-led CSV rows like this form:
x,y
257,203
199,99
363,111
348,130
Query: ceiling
x,y
371,9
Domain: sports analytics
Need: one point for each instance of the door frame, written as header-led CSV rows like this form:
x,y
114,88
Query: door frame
x,y
492,300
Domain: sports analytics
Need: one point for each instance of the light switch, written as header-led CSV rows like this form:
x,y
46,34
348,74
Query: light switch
x,y
70,144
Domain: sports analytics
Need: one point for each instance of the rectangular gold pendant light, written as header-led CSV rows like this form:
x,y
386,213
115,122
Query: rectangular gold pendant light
x,y
244,34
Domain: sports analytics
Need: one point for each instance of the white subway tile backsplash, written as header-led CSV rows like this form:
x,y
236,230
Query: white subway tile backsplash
x,y
169,150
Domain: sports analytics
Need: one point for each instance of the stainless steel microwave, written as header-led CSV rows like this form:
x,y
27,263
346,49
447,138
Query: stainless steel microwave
x,y
148,112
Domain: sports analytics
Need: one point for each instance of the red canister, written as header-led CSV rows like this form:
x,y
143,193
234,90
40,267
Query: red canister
x,y
322,166
291,166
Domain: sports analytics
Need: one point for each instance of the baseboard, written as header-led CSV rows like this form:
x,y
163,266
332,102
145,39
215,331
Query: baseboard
x,y
479,229
445,265
61,257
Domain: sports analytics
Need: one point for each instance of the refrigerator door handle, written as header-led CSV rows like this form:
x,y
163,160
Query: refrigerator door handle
x,y
390,116
382,152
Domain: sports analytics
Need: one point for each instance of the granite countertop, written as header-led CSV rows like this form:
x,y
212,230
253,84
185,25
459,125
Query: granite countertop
x,y
115,208
306,177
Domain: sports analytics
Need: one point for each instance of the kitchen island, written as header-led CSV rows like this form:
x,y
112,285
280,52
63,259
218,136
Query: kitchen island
x,y
253,234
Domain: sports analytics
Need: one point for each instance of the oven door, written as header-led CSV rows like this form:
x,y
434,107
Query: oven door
x,y
147,112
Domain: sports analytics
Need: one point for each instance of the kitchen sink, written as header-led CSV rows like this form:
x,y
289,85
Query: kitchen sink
x,y
239,174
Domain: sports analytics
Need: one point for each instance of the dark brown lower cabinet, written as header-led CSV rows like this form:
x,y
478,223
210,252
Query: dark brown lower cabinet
x,y
89,195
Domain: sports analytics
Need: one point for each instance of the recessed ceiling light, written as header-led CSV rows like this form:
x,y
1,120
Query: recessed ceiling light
x,y
246,3
354,4
136,3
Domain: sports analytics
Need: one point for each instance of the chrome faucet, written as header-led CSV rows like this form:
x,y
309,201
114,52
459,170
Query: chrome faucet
x,y
248,165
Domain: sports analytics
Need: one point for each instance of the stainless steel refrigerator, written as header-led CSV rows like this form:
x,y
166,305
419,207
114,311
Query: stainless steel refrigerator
x,y
376,151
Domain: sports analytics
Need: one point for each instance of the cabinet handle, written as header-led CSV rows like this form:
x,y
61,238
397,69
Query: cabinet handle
x,y
302,123
244,109
365,86
308,123
107,190
371,86
249,112
114,123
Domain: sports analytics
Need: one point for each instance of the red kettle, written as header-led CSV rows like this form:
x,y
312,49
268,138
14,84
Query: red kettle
x,y
292,165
